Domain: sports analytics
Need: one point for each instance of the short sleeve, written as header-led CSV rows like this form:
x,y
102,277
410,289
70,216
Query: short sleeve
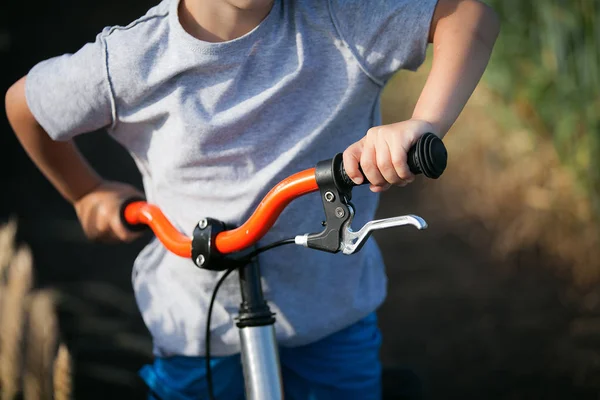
x,y
70,94
384,35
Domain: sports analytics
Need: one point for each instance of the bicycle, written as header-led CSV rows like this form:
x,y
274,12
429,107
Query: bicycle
x,y
213,244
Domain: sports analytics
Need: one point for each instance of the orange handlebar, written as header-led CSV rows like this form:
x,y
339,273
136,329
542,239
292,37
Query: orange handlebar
x,y
241,238
267,212
140,212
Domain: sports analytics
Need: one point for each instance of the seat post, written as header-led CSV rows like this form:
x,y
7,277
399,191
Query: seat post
x,y
256,325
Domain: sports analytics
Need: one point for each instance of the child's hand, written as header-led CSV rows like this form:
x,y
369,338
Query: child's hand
x,y
99,212
382,154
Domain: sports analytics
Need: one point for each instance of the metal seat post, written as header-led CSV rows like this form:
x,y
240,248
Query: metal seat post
x,y
256,325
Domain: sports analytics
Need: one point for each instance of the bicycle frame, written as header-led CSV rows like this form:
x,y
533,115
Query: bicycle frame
x,y
211,244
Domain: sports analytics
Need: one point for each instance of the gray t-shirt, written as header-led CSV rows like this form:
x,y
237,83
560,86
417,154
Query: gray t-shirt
x,y
213,126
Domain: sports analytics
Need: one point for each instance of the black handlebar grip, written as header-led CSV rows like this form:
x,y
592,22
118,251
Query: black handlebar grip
x,y
132,227
428,157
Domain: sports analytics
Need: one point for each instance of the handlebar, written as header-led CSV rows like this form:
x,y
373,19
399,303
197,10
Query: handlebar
x,y
428,156
137,212
265,215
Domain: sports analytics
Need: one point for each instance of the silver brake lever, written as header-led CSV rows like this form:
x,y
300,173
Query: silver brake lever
x,y
351,241
354,241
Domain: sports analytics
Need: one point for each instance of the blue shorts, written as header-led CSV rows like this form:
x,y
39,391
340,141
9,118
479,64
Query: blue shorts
x,y
344,366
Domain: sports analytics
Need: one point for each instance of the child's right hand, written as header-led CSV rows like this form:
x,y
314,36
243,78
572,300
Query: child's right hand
x,y
99,212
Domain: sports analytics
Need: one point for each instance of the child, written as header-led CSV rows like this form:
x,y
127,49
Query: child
x,y
218,100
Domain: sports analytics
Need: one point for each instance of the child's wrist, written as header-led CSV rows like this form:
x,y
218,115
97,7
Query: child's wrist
x,y
90,187
439,126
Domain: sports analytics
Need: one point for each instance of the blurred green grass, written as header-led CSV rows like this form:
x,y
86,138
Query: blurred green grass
x,y
509,169
546,67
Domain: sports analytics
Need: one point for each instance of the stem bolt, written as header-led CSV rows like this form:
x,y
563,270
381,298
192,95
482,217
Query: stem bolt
x,y
200,260
339,212
203,223
329,196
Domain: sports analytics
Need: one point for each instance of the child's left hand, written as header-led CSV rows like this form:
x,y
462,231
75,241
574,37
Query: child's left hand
x,y
382,154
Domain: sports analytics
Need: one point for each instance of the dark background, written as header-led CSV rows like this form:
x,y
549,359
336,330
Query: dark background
x,y
468,325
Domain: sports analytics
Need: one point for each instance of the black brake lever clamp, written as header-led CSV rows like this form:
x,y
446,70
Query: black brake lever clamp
x,y
335,195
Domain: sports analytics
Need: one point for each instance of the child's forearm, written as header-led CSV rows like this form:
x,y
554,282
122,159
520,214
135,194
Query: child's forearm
x,y
463,36
60,162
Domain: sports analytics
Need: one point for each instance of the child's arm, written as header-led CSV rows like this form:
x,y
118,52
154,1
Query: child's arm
x,y
96,202
463,33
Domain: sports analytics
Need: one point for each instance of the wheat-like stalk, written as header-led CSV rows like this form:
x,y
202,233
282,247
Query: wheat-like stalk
x,y
46,371
42,339
62,374
11,326
7,240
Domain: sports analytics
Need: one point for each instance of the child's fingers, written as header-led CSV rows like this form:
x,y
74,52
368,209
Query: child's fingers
x,y
385,163
378,189
351,159
368,163
120,231
100,226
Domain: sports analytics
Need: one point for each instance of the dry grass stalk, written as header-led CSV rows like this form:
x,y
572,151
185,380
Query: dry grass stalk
x,y
7,240
13,317
62,374
42,340
32,314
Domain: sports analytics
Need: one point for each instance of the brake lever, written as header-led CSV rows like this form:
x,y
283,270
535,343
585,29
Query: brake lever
x,y
335,194
351,242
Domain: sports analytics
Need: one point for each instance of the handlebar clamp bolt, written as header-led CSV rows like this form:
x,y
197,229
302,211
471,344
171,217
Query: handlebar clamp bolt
x,y
200,260
339,212
203,223
329,196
